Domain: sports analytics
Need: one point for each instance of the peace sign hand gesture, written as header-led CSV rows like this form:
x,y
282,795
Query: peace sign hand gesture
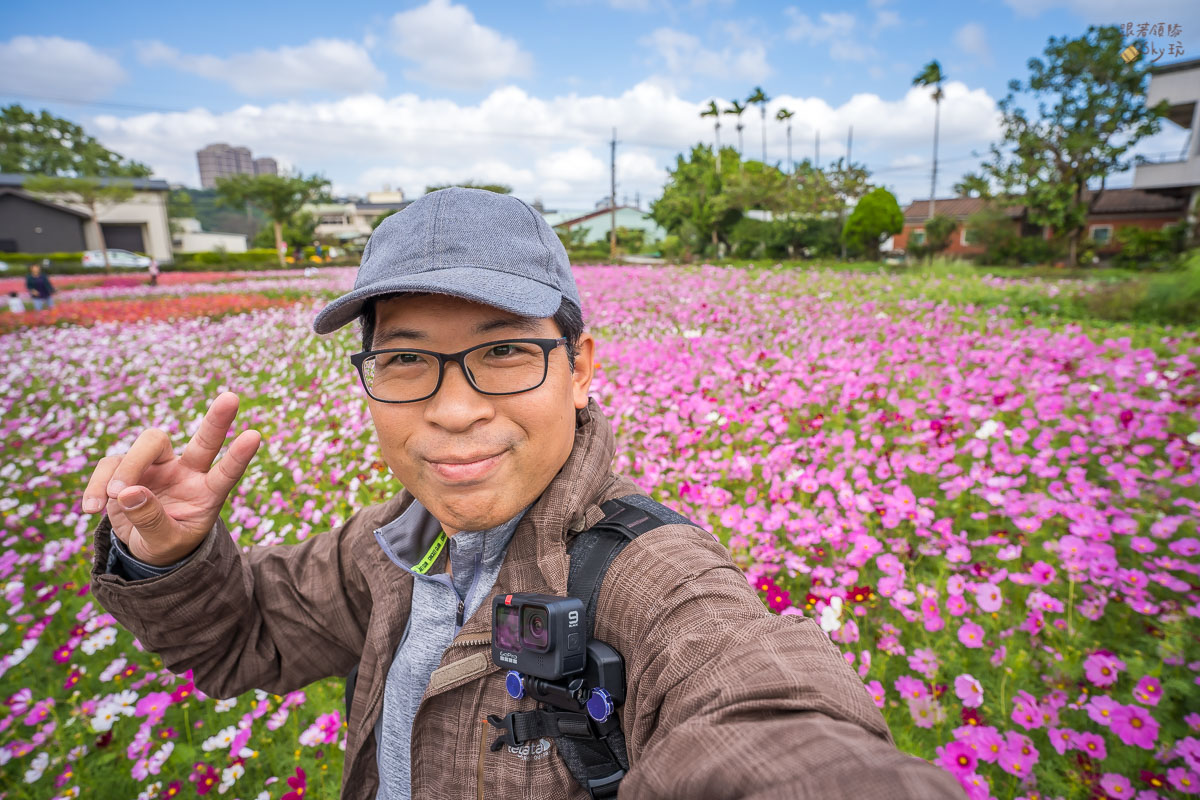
x,y
161,506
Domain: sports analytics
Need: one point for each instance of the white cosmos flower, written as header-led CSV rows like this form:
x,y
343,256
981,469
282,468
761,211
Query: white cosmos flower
x,y
987,429
1194,439
831,615
105,716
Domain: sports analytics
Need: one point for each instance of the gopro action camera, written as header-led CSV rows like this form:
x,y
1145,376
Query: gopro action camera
x,y
539,634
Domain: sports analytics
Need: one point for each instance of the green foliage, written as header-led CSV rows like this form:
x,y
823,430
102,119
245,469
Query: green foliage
x,y
1149,250
1000,236
299,231
43,144
630,240
938,230
180,206
694,204
92,192
498,188
279,197
876,217
382,217
1091,111
973,185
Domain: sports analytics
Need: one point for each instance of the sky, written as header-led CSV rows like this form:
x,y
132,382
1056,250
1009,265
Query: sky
x,y
406,94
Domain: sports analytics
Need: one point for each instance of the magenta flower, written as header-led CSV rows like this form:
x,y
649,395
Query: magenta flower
x,y
1184,781
988,597
204,777
153,706
1092,744
877,692
958,758
910,688
1102,669
971,635
1101,708
298,783
1116,786
1148,691
1061,739
969,690
1025,711
1134,726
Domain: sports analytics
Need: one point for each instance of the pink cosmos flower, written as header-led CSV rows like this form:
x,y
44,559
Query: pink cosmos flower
x,y
926,712
1102,669
153,706
969,690
1025,711
1193,721
987,741
1184,781
1134,726
958,758
957,605
1061,739
1148,690
877,692
971,635
298,783
924,661
988,597
1116,786
976,786
1092,744
1100,708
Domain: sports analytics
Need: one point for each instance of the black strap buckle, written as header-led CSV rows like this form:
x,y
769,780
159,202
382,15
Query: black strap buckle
x,y
509,736
606,787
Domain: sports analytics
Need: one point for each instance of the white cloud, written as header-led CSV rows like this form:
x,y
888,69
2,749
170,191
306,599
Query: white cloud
x,y
972,40
555,148
840,31
683,55
51,66
451,49
320,65
884,18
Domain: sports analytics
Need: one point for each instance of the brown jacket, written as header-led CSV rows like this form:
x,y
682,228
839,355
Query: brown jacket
x,y
725,699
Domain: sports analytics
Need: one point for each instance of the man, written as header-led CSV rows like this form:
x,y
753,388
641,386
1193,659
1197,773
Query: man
x,y
477,370
39,287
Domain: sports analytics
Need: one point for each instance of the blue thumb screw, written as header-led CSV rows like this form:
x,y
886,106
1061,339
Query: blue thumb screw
x,y
514,684
600,705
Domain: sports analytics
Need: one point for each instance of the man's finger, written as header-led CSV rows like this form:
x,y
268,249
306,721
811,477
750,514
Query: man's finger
x,y
210,437
229,470
157,530
96,492
153,446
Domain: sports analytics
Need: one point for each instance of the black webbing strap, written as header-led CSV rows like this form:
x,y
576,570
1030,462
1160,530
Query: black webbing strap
x,y
599,763
525,726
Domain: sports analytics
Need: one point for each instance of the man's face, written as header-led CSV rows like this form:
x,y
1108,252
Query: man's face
x,y
532,432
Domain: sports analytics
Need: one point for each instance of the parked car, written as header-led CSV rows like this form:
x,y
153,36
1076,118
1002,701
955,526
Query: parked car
x,y
117,258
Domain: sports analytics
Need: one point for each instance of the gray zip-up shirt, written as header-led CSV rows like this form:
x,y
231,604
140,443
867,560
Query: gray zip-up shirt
x,y
440,605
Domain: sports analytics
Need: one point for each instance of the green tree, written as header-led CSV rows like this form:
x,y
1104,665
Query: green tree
x,y
973,185
931,75
715,113
737,109
179,206
694,205
96,194
279,197
785,115
498,188
758,98
299,231
1090,112
43,144
938,230
876,217
847,182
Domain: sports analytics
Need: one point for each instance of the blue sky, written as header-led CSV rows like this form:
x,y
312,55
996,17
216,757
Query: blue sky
x,y
527,93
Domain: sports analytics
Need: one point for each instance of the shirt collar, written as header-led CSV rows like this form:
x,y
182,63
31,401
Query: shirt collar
x,y
408,537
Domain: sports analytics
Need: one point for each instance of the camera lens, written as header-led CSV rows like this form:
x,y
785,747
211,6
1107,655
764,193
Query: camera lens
x,y
535,628
507,629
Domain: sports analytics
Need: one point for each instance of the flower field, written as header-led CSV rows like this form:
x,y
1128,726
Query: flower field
x,y
994,514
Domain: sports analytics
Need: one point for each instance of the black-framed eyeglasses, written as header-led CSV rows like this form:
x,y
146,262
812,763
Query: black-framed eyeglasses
x,y
407,375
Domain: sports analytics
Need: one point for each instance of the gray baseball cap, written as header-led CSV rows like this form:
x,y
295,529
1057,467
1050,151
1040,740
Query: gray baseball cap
x,y
470,243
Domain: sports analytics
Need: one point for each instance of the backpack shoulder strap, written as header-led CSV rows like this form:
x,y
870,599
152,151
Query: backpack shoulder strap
x,y
599,765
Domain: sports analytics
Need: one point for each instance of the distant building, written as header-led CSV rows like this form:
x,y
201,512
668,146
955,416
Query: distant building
x,y
266,166
192,238
1175,175
352,220
32,223
1111,210
222,161
598,223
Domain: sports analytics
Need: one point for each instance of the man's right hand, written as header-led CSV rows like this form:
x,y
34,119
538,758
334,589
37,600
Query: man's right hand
x,y
161,505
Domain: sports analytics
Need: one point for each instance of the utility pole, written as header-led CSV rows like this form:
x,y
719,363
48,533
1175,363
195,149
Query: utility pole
x,y
612,198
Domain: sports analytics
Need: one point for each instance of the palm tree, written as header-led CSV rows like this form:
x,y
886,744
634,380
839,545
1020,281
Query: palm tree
x,y
715,113
932,75
758,98
738,109
783,115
